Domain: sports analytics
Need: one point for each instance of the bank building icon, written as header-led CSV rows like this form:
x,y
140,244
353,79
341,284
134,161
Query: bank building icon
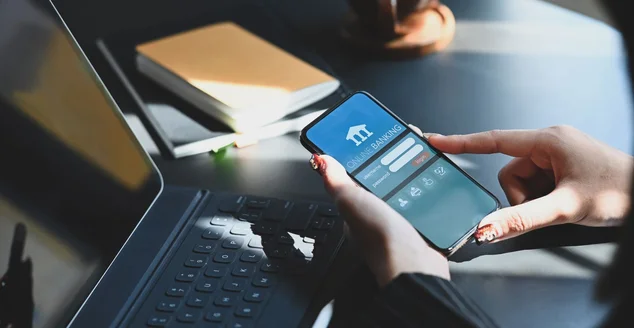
x,y
358,134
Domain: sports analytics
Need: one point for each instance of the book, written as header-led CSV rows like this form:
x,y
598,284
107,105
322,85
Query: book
x,y
190,138
233,75
171,126
186,137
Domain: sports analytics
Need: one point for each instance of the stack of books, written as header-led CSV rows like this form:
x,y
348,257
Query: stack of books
x,y
253,87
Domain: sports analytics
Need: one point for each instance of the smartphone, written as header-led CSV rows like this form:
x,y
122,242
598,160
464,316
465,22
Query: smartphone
x,y
383,155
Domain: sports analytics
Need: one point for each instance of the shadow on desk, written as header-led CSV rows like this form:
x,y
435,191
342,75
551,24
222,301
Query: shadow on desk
x,y
529,301
514,297
510,300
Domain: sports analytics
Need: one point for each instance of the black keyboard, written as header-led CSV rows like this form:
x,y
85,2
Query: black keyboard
x,y
244,262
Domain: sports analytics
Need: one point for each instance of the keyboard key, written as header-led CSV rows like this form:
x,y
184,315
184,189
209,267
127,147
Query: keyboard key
x,y
285,239
213,233
318,236
158,321
207,286
204,248
300,216
197,300
297,269
315,223
221,220
225,299
196,261
243,270
270,267
250,216
234,284
216,271
255,295
263,280
303,254
327,224
224,257
306,252
231,204
189,316
251,256
267,241
297,266
257,203
216,314
265,228
245,310
177,290
278,210
280,252
238,323
233,243
168,306
187,276
241,229
327,210
255,242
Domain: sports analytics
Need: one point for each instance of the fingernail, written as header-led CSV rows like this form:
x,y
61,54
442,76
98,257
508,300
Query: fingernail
x,y
317,164
431,135
313,162
487,233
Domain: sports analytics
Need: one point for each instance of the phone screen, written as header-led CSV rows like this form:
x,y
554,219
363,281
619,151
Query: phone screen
x,y
393,162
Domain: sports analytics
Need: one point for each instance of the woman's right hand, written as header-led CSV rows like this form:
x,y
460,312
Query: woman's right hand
x,y
559,175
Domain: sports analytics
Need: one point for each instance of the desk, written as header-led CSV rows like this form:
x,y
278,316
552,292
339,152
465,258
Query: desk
x,y
514,64
519,64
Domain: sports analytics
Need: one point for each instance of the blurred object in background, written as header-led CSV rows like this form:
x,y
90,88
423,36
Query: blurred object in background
x,y
399,28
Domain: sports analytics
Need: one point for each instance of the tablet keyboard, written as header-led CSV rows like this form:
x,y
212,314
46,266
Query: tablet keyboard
x,y
244,263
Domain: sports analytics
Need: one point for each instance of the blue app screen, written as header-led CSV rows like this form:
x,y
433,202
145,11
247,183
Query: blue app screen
x,y
398,166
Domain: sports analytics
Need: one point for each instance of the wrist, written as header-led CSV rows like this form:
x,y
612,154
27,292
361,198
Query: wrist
x,y
419,258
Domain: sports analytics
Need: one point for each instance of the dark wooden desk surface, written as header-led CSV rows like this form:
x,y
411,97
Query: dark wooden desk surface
x,y
519,64
513,64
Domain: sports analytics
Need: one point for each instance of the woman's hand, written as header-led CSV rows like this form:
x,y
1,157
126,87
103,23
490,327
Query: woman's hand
x,y
389,243
559,175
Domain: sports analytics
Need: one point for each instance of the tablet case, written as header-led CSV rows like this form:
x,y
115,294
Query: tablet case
x,y
178,128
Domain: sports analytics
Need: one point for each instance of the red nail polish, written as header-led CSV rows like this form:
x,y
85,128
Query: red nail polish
x,y
318,164
486,234
313,162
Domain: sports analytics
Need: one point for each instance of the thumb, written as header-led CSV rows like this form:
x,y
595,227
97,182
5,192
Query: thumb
x,y
362,209
560,206
333,173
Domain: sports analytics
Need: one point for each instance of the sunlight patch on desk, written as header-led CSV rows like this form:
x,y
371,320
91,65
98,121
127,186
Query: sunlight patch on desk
x,y
536,39
305,248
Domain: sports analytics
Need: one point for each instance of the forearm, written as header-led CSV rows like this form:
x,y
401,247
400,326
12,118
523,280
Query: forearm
x,y
417,300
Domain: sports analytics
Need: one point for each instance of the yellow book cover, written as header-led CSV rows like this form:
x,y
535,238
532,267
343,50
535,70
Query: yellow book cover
x,y
250,80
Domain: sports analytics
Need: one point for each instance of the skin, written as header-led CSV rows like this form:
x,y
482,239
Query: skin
x,y
557,175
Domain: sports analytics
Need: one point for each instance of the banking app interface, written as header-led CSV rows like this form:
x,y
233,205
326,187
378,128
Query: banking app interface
x,y
399,167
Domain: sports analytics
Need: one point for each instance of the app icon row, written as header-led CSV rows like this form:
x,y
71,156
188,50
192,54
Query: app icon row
x,y
425,183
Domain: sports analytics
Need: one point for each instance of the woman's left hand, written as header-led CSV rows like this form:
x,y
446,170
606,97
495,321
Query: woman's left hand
x,y
390,244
